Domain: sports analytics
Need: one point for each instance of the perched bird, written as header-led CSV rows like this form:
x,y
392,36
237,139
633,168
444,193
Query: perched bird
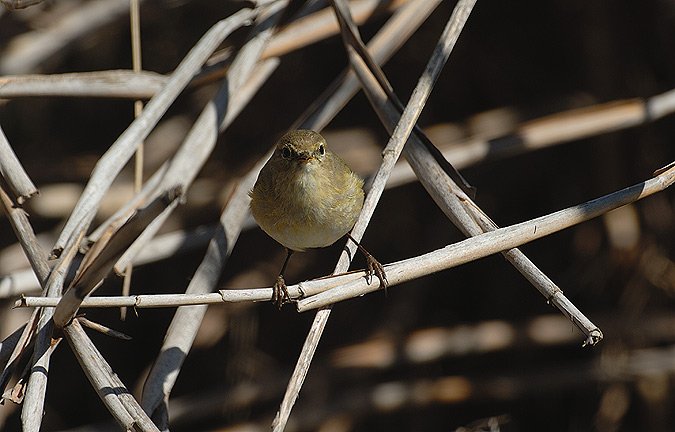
x,y
307,197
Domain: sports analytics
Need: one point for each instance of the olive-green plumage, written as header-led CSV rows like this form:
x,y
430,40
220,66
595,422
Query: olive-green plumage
x,y
306,196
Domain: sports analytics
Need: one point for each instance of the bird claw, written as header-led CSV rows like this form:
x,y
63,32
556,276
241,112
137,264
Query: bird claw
x,y
375,268
280,294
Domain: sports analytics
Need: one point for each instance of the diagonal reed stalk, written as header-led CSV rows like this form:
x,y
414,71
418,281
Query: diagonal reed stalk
x,y
391,153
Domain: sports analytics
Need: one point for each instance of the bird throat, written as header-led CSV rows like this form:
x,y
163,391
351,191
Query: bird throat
x,y
307,175
310,184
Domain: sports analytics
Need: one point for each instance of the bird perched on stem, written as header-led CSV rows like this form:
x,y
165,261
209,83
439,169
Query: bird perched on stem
x,y
307,197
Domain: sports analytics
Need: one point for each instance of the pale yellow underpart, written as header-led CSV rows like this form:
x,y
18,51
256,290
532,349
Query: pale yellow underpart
x,y
307,204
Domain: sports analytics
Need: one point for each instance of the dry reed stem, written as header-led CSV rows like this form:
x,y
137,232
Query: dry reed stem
x,y
18,347
193,152
390,154
661,105
26,236
201,140
304,31
396,31
22,281
110,164
144,85
142,301
36,387
119,401
216,116
102,329
452,199
8,345
37,259
492,242
38,321
109,84
136,60
322,24
95,268
551,130
13,172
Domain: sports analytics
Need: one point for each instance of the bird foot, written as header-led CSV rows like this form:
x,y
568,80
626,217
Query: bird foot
x,y
280,294
375,268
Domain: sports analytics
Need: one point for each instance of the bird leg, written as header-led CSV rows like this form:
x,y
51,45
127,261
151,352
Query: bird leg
x,y
374,266
280,291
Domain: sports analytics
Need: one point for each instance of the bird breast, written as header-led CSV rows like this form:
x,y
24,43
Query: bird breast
x,y
316,210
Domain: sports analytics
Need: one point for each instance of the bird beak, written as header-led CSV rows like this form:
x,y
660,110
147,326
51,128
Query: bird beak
x,y
305,158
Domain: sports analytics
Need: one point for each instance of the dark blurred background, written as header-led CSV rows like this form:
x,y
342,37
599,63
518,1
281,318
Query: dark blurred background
x,y
469,347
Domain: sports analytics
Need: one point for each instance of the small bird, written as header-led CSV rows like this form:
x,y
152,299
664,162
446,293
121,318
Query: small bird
x,y
307,197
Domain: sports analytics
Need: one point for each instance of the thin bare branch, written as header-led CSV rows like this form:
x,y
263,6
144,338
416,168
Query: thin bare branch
x,y
37,259
11,169
550,130
492,242
102,329
110,84
142,301
24,232
136,59
119,401
36,388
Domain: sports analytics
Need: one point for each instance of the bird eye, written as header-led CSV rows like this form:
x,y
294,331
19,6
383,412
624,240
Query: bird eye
x,y
286,152
322,150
